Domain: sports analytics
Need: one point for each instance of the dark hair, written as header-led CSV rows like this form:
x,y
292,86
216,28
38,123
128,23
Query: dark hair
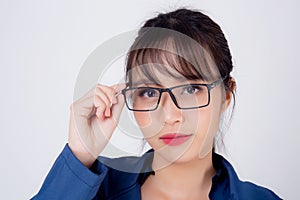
x,y
195,25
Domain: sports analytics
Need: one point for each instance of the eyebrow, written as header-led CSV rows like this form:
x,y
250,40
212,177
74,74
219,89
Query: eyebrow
x,y
144,81
147,81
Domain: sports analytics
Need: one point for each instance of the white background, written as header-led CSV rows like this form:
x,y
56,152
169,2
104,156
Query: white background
x,y
43,45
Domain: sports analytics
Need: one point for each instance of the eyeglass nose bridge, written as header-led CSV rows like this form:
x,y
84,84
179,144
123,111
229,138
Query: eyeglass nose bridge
x,y
169,91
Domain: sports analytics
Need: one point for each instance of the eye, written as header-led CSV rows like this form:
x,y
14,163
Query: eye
x,y
148,92
191,89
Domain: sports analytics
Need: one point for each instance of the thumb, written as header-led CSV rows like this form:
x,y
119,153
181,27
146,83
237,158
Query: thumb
x,y
118,107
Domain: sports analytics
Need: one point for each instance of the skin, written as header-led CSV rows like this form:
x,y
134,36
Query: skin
x,y
190,161
94,117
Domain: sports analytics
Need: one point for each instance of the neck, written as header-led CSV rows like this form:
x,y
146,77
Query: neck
x,y
184,179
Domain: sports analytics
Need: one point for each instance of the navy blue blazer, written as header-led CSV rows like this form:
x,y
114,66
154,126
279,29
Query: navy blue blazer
x,y
70,179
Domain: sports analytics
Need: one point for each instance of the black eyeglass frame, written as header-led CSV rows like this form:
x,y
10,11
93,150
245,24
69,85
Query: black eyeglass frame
x,y
169,90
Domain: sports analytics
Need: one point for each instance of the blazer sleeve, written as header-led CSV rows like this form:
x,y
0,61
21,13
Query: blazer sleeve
x,y
70,179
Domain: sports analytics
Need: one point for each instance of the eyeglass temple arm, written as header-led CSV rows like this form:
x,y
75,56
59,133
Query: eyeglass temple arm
x,y
214,84
120,92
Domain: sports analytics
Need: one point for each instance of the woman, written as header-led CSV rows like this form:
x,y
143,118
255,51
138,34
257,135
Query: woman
x,y
178,87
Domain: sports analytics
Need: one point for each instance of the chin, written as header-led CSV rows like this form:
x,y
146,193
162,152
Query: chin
x,y
186,158
170,155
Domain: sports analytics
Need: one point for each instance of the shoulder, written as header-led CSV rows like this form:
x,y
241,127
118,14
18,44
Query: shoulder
x,y
236,188
125,175
248,190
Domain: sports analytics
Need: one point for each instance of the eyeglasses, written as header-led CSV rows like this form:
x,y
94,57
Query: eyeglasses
x,y
187,96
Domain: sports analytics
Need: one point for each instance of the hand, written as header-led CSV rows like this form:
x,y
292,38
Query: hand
x,y
93,119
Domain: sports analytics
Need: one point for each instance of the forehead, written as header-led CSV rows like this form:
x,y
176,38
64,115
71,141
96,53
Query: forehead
x,y
161,75
158,47
160,66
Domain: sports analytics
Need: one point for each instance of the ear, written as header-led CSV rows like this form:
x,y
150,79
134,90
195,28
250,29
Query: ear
x,y
229,94
227,101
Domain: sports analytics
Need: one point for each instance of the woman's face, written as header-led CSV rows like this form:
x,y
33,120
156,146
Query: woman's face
x,y
175,134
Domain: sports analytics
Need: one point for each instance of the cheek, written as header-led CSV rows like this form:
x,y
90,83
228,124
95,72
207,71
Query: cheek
x,y
205,120
199,121
216,110
143,119
209,126
148,123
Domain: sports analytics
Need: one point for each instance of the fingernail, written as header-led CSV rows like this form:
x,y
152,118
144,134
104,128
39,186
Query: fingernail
x,y
120,87
107,112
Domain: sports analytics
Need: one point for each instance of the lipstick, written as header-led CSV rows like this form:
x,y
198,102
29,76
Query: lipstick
x,y
174,139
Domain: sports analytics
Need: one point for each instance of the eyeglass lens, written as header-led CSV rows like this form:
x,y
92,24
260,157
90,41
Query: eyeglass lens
x,y
187,96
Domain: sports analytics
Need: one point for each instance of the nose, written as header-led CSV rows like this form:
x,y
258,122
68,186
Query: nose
x,y
172,114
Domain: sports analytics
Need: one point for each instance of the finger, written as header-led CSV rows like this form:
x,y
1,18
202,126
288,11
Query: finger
x,y
99,93
88,94
84,105
102,106
115,90
117,108
85,99
99,114
109,92
119,87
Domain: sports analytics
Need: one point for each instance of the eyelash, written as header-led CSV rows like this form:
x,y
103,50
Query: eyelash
x,y
146,90
198,88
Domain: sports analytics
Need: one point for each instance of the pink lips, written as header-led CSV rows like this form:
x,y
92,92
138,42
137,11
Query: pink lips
x,y
174,139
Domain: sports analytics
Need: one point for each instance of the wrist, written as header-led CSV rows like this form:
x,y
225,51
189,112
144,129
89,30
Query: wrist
x,y
82,154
